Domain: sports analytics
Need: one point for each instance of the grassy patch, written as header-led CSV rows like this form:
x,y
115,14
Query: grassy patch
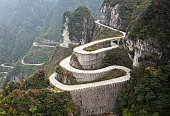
x,y
98,46
38,54
114,74
117,56
103,32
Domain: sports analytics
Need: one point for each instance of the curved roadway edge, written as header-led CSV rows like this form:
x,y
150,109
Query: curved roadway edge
x,y
36,44
31,64
3,65
4,72
80,49
95,84
66,65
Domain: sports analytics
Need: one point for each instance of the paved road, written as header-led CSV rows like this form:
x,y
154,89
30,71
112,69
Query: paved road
x,y
3,65
4,72
31,64
80,49
36,44
66,65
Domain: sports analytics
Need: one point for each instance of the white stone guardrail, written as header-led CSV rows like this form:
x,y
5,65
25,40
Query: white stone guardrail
x,y
94,84
80,49
93,59
87,74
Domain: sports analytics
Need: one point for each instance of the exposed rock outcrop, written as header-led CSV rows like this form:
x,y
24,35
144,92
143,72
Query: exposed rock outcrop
x,y
110,16
147,39
65,34
78,26
143,52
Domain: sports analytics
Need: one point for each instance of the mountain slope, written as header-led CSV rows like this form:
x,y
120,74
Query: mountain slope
x,y
23,19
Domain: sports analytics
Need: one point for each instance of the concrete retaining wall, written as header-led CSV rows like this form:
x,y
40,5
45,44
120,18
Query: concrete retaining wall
x,y
89,61
85,77
98,100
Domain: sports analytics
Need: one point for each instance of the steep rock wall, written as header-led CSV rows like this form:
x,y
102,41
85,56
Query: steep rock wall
x,y
65,34
147,29
110,16
143,52
80,25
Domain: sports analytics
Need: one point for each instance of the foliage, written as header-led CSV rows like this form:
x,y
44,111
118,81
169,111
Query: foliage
x,y
21,19
129,10
32,97
147,93
103,32
36,102
37,81
116,73
57,55
76,23
38,54
117,56
65,76
21,71
154,23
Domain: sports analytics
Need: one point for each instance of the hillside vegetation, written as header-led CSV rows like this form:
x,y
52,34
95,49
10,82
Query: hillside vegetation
x,y
147,93
32,97
153,23
81,24
29,21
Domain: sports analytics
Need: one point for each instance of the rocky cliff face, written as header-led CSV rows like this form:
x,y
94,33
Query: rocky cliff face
x,y
110,16
65,34
78,26
143,52
147,30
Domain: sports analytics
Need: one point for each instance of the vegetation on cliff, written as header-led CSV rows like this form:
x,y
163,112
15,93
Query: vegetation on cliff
x,y
24,21
32,97
129,10
80,25
38,55
153,23
147,93
117,56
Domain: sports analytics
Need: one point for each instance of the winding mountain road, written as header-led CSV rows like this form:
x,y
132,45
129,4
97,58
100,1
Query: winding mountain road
x,y
5,66
31,64
37,45
80,49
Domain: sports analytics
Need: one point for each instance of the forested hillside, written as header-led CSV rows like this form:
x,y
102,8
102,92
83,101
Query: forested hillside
x,y
152,26
147,25
5,40
24,21
145,50
29,21
34,96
